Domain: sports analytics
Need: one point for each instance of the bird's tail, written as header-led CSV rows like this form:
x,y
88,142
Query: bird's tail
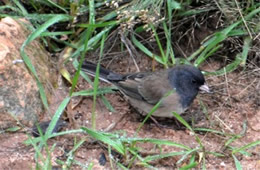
x,y
104,74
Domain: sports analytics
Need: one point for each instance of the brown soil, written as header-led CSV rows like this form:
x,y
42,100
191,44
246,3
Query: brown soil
x,y
234,103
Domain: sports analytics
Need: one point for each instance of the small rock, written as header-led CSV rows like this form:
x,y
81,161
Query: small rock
x,y
19,95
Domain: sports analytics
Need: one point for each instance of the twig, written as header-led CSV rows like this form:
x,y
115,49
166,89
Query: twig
x,y
130,51
226,82
221,121
243,20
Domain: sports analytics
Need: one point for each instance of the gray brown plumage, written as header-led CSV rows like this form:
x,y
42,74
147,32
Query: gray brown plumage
x,y
145,89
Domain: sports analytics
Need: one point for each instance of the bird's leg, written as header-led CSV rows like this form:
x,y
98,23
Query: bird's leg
x,y
157,123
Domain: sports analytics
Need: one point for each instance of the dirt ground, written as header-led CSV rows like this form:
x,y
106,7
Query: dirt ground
x,y
233,108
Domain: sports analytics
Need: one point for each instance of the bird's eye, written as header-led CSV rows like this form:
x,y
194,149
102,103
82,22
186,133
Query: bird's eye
x,y
193,81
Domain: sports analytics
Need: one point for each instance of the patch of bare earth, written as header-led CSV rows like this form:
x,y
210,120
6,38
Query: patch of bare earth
x,y
233,108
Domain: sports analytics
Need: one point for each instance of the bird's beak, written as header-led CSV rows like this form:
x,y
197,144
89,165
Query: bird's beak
x,y
205,88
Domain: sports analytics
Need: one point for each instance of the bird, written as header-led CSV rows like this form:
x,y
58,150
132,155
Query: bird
x,y
173,88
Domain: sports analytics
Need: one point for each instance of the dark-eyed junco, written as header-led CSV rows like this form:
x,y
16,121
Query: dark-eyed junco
x,y
145,89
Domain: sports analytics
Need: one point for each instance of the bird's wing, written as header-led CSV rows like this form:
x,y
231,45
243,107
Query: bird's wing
x,y
155,87
149,87
130,83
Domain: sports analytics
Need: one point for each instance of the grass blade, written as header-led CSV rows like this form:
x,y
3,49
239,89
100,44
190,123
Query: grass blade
x,y
145,50
27,60
99,136
246,48
237,163
90,92
156,141
252,144
56,117
20,6
180,119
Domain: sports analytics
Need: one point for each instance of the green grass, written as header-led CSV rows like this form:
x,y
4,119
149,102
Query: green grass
x,y
91,35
